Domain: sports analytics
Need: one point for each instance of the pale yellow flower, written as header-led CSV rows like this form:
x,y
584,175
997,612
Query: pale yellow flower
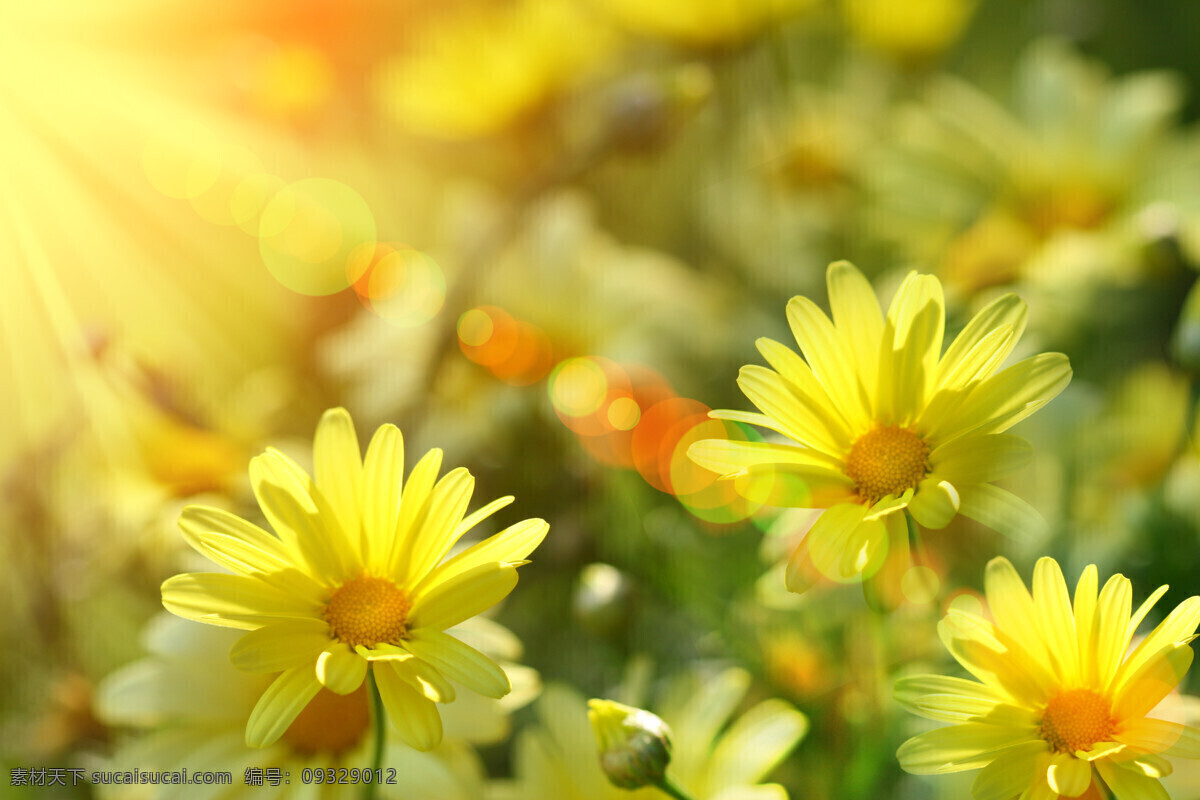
x,y
187,706
885,424
356,578
482,66
1059,706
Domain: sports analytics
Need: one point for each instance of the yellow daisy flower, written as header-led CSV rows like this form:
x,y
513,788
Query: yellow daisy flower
x,y
885,425
1060,708
357,577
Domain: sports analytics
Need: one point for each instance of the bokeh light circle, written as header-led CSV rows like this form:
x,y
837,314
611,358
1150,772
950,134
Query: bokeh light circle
x,y
397,282
578,387
308,232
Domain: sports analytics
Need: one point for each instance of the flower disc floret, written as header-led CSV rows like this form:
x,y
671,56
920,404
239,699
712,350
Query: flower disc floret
x,y
887,461
368,611
1075,720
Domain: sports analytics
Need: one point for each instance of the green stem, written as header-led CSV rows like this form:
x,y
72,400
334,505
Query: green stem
x,y
379,719
672,789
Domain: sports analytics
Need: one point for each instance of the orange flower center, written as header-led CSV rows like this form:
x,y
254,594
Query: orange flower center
x,y
331,723
368,611
1075,720
887,460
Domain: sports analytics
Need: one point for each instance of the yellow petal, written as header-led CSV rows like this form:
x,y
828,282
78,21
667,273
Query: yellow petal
x,y
281,645
340,669
1179,626
290,501
479,515
1068,775
244,558
1129,785
426,679
195,521
1006,398
1011,773
831,360
380,488
459,662
1085,617
232,601
438,530
794,486
1141,691
280,704
935,503
945,698
831,536
1007,311
1111,627
916,321
980,459
414,498
463,596
1160,736
414,716
959,747
338,467
1055,619
804,416
726,456
954,387
753,745
857,317
512,544
1002,511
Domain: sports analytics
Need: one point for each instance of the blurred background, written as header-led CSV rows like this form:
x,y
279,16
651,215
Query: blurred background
x,y
543,235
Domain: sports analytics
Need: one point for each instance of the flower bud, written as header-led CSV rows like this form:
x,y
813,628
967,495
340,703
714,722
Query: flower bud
x,y
635,745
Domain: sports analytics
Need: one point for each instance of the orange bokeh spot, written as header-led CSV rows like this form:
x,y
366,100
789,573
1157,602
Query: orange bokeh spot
x,y
622,413
654,438
530,359
498,345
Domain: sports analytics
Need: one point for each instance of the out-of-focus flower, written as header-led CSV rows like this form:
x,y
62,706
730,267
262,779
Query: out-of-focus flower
x,y
635,745
557,760
480,67
188,707
1059,707
702,23
789,189
885,425
354,578
1069,184
911,33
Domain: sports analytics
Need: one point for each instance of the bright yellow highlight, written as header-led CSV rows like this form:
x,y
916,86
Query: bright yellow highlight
x,y
888,460
308,231
1076,719
483,66
1059,703
475,328
406,287
910,32
357,575
331,724
368,611
578,387
624,413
